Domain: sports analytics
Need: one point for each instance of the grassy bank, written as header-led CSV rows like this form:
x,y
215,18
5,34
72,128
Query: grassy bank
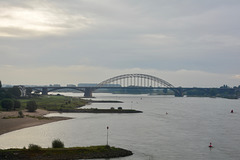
x,y
64,153
61,103
56,103
96,110
70,104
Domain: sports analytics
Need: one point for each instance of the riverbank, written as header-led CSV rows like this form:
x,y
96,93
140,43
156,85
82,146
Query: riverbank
x,y
75,153
96,110
9,121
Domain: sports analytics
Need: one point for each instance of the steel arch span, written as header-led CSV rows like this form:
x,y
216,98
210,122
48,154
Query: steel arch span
x,y
135,80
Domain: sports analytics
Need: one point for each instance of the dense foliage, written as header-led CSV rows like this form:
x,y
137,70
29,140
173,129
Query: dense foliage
x,y
35,152
34,147
16,104
57,143
31,106
7,104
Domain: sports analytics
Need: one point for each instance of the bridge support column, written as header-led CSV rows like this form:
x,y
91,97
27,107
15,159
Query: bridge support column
x,y
88,92
178,92
44,91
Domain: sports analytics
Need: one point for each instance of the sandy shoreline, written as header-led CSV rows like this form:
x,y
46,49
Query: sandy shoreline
x,y
11,124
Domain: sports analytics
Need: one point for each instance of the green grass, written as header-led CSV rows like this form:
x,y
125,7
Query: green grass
x,y
64,153
56,103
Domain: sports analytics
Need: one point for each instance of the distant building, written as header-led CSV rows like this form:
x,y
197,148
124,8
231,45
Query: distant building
x,y
7,85
71,85
87,84
54,85
95,85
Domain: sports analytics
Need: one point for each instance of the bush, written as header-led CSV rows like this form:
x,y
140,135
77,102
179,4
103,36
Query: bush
x,y
7,104
16,104
20,114
34,147
31,106
57,143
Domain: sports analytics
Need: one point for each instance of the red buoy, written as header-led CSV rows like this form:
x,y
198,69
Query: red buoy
x,y
210,146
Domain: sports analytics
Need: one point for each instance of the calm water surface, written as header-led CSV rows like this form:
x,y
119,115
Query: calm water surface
x,y
182,134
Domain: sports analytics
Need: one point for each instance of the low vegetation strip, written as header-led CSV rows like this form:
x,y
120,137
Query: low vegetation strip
x,y
56,102
104,101
64,153
96,110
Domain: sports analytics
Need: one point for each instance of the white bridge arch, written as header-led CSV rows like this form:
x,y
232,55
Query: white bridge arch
x,y
135,80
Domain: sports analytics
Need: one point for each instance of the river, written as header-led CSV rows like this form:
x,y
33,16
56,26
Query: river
x,y
182,134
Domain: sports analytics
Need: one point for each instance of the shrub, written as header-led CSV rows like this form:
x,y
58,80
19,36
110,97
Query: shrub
x,y
31,106
7,104
107,147
20,114
57,143
34,147
16,104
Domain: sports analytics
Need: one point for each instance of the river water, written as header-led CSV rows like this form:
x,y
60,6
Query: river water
x,y
182,134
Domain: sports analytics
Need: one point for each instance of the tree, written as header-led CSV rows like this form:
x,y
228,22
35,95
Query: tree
x,y
28,91
0,84
213,92
2,94
34,147
7,104
225,86
15,92
31,106
16,104
57,143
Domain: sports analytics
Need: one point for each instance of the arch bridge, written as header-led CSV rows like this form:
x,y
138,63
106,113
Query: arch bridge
x,y
139,81
130,81
135,80
126,81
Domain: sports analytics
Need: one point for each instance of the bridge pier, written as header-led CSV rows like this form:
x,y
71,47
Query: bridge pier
x,y
88,92
178,92
44,91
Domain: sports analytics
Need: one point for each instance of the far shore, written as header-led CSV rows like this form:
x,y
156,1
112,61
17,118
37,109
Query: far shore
x,y
9,121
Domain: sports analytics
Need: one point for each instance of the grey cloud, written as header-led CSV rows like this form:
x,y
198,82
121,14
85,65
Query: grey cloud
x,y
158,34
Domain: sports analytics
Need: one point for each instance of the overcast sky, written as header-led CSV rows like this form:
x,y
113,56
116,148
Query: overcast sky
x,y
185,42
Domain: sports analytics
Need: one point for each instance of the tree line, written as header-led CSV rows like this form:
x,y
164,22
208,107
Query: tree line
x,y
9,100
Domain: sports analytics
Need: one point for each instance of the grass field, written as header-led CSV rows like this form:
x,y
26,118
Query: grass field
x,y
56,103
